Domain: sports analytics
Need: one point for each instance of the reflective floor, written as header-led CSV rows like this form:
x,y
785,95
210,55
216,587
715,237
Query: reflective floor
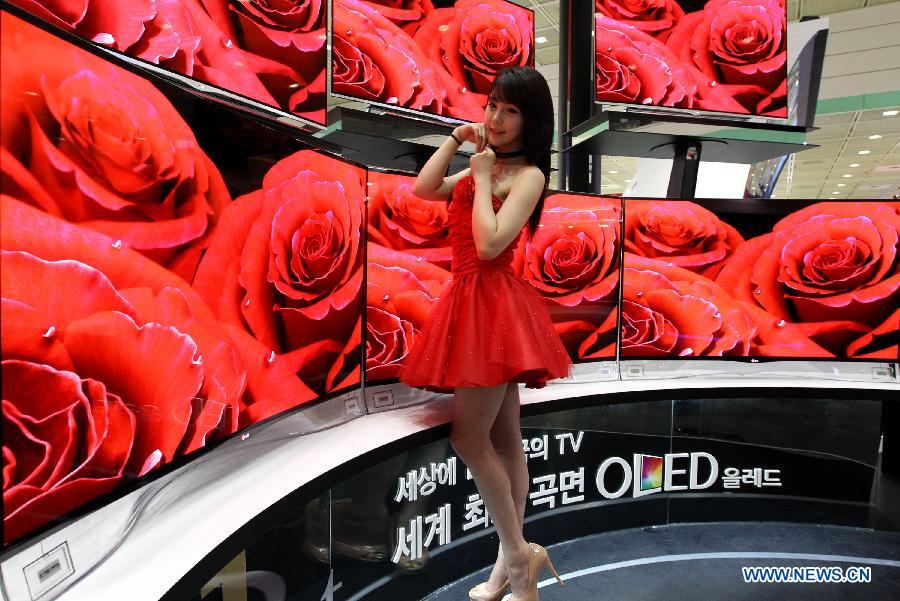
x,y
700,562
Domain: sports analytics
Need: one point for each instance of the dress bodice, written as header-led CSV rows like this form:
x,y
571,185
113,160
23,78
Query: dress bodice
x,y
465,257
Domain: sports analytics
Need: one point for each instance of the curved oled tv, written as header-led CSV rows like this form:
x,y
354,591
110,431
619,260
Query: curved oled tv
x,y
572,261
435,56
172,273
748,278
271,52
726,56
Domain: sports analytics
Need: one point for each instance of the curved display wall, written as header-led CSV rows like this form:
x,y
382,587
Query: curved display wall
x,y
175,272
726,56
172,273
271,52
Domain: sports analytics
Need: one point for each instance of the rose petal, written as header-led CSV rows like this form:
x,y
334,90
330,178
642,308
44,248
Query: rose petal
x,y
163,405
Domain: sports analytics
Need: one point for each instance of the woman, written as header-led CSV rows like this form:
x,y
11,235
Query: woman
x,y
490,329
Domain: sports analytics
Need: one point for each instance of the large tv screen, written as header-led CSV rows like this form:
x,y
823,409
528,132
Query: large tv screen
x,y
272,52
726,56
572,261
744,278
172,273
434,56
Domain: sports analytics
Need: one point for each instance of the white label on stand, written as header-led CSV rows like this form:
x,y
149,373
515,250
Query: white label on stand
x,y
383,399
635,371
49,570
351,406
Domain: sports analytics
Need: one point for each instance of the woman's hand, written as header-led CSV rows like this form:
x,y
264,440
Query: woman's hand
x,y
474,133
482,163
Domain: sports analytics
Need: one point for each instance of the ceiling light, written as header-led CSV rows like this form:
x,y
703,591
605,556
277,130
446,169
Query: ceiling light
x,y
847,175
892,113
612,171
841,185
854,164
864,151
835,192
540,40
875,137
627,181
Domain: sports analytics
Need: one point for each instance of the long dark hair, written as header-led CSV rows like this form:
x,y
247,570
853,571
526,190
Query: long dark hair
x,y
528,90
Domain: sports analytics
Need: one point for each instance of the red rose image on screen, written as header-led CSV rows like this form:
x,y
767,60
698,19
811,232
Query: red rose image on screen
x,y
634,67
573,255
272,52
680,232
668,311
573,262
475,39
284,271
400,220
741,44
92,144
81,411
52,402
400,291
730,56
831,268
442,64
284,49
375,60
119,25
654,17
407,14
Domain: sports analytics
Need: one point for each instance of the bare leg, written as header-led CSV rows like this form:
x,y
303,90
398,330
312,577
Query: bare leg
x,y
474,413
506,436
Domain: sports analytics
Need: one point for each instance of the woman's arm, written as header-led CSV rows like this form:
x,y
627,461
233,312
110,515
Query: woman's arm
x,y
431,184
493,232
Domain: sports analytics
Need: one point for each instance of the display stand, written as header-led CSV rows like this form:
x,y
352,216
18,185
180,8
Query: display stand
x,y
240,515
386,139
623,131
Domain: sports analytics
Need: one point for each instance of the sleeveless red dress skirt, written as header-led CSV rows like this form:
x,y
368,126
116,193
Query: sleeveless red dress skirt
x,y
489,326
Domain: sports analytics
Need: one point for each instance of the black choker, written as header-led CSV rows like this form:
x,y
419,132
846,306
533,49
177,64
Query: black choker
x,y
509,155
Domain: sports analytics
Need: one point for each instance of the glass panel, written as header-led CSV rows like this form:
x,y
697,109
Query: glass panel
x,y
810,460
290,561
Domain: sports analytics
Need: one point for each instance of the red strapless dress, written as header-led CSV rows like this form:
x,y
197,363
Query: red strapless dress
x,y
489,326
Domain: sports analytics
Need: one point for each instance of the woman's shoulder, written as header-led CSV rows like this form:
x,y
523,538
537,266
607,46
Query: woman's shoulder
x,y
530,170
530,174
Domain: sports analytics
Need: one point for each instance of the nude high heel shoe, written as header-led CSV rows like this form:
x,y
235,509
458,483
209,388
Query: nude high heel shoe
x,y
480,592
537,560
